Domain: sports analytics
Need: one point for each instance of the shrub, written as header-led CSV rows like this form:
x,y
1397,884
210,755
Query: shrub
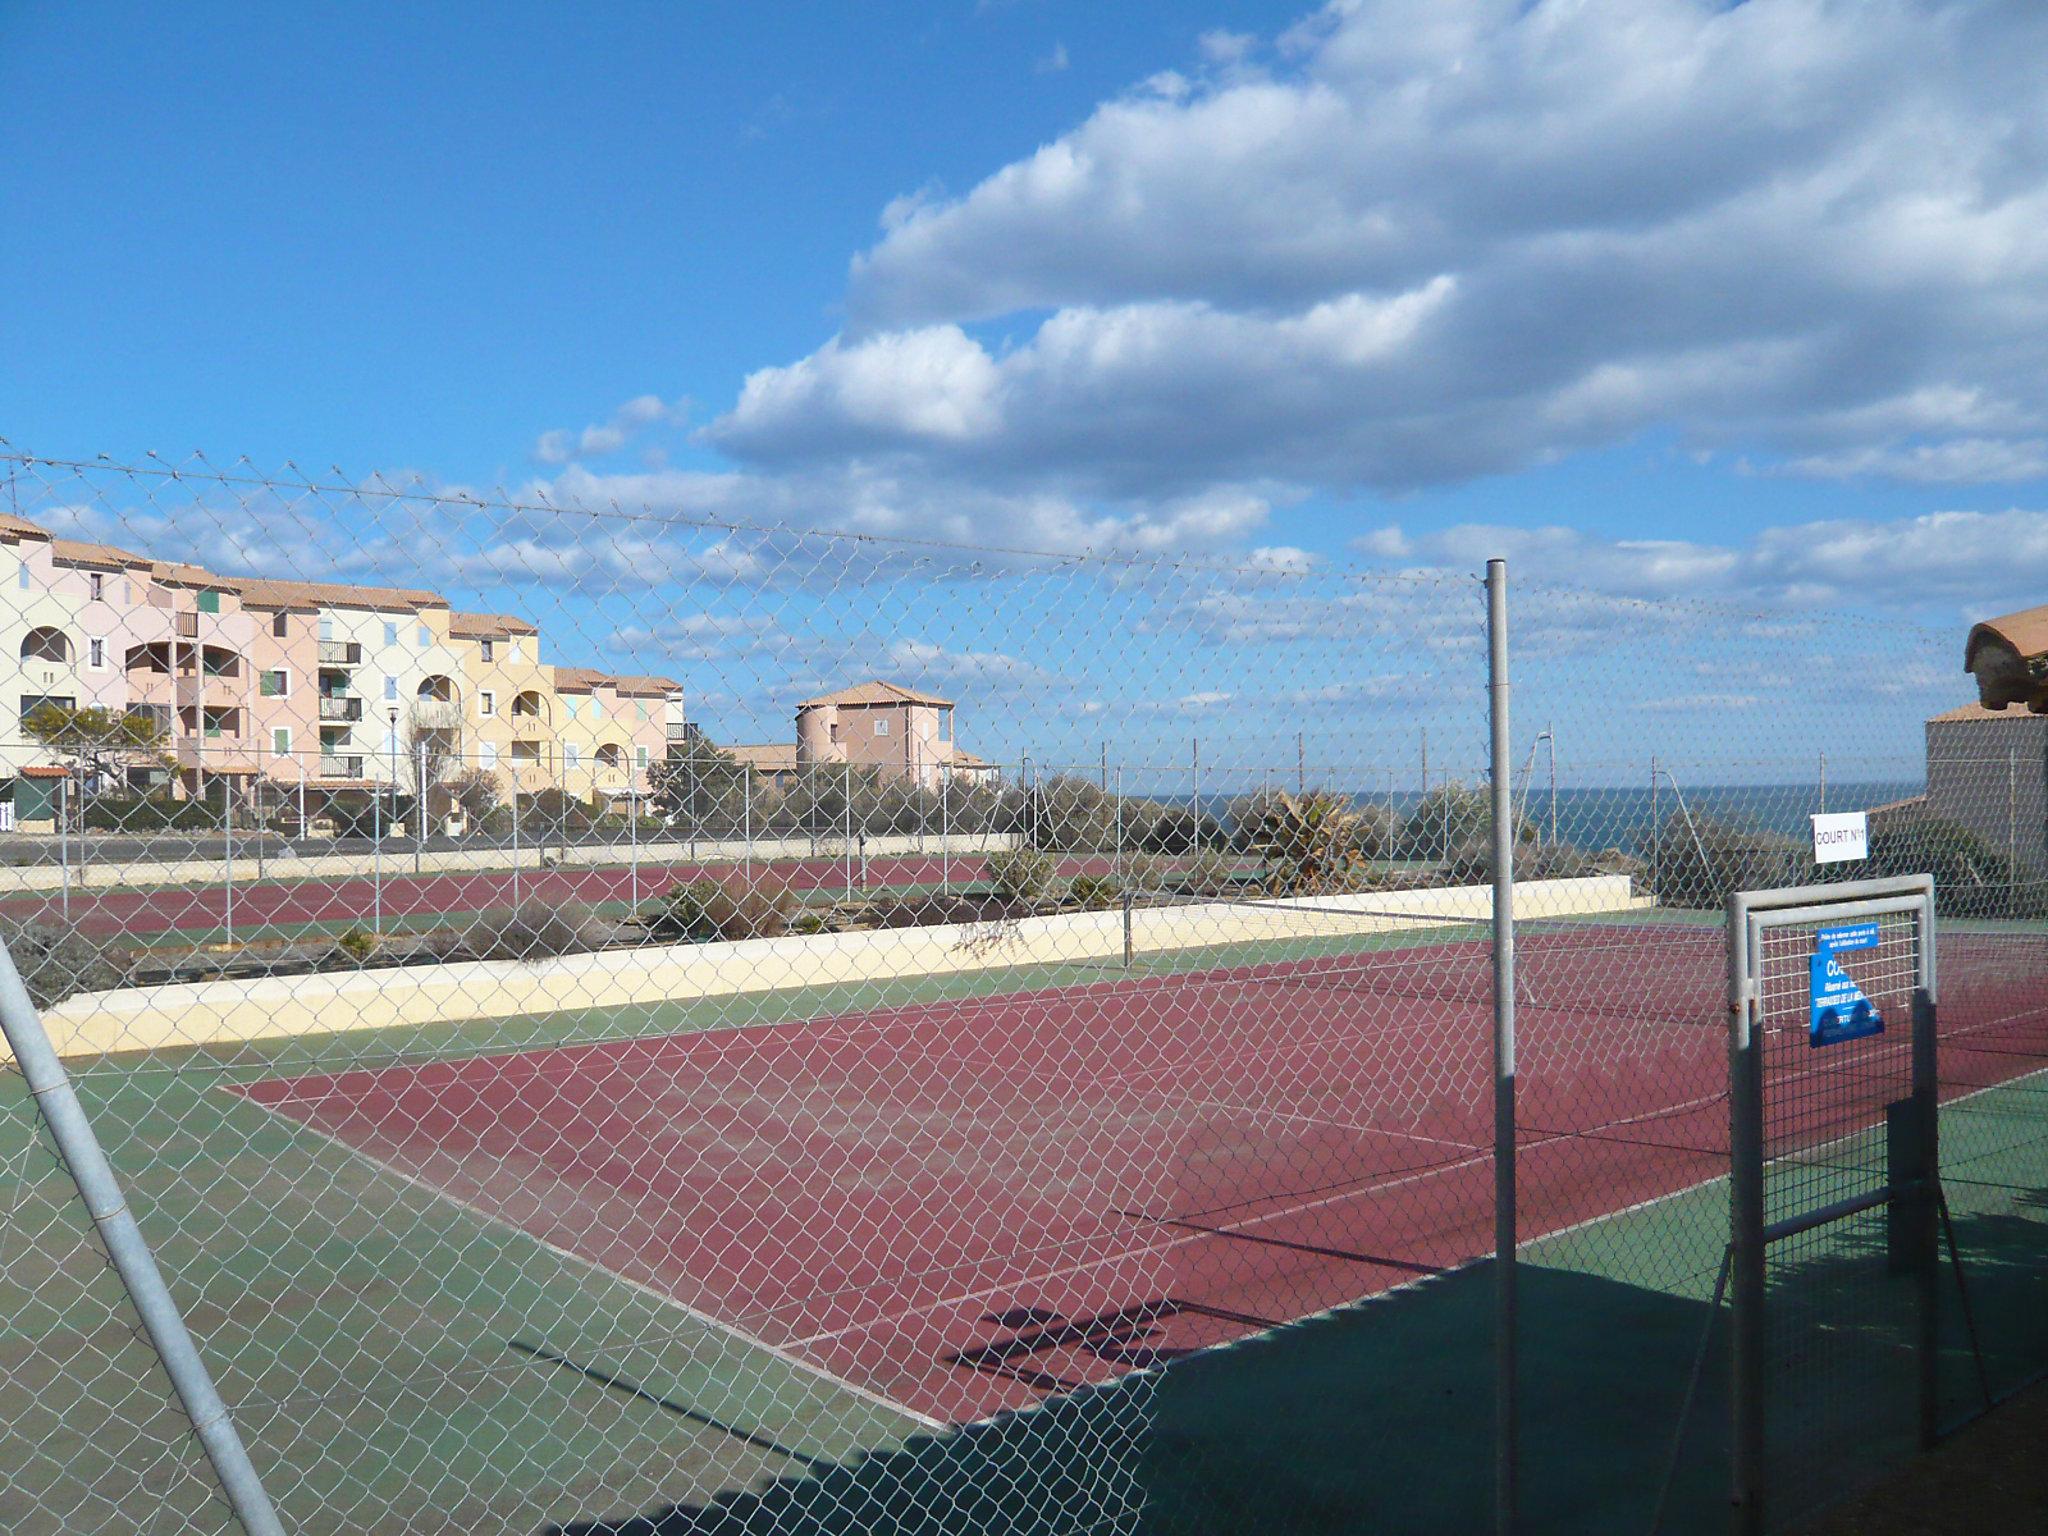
x,y
1095,893
357,944
1147,874
533,930
58,962
1211,872
1021,874
1311,845
734,908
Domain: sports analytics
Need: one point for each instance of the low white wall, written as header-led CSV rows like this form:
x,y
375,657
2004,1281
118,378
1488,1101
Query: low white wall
x,y
332,866
212,1012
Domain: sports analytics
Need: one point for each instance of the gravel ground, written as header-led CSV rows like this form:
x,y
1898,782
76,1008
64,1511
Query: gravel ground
x,y
1991,1477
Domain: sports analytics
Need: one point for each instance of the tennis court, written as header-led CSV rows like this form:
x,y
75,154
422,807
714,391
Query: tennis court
x,y
961,1206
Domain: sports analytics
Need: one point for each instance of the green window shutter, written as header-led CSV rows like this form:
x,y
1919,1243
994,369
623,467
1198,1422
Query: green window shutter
x,y
209,602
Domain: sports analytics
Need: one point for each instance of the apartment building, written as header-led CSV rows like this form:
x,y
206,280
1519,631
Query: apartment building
x,y
305,686
896,731
613,731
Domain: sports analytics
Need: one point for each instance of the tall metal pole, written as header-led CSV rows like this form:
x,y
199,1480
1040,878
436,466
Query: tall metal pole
x,y
1823,783
1550,737
64,840
2012,825
515,832
1301,762
1506,1425
946,834
420,786
227,832
633,836
108,1207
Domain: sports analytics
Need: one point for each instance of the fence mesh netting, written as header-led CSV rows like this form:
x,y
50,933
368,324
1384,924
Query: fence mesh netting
x,y
620,1021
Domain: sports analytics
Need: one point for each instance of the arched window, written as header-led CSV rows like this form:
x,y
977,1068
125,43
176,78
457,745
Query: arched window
x,y
44,643
609,756
438,689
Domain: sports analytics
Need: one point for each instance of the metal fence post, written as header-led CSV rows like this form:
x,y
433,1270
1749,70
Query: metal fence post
x,y
104,1202
1506,1425
1746,1226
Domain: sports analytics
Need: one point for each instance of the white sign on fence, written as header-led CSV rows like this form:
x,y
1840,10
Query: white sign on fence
x,y
1840,837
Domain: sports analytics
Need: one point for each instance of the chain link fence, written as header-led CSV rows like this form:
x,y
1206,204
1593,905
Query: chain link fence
x,y
609,1019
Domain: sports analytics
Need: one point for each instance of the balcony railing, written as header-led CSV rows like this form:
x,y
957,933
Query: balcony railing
x,y
678,731
341,767
340,653
332,708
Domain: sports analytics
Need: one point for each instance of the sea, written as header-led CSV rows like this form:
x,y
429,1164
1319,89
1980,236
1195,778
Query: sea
x,y
1594,819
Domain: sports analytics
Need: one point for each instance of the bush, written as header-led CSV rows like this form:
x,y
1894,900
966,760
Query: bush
x,y
150,813
1211,872
57,962
1095,893
357,945
1021,874
732,908
533,930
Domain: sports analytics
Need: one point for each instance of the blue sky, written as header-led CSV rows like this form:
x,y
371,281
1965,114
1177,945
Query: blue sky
x,y
1663,298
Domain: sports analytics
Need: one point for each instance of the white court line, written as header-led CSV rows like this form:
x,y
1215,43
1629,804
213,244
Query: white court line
x,y
489,1219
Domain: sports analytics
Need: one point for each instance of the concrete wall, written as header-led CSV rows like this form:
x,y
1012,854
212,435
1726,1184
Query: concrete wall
x,y
46,877
144,1018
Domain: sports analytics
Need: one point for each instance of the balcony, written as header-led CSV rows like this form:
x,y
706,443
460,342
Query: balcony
x,y
333,708
208,691
188,626
677,731
340,653
341,767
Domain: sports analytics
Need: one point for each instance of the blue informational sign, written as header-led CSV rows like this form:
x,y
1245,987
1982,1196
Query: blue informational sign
x,y
1840,1010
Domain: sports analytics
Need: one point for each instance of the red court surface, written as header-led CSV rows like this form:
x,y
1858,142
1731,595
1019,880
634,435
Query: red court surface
x,y
961,1206
288,900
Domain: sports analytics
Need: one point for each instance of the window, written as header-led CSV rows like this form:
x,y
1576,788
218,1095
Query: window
x,y
390,687
640,711
278,626
21,576
596,707
326,629
487,703
98,584
572,755
517,647
275,684
425,636
217,663
945,725
96,654
281,740
487,755
391,634
489,649
209,602
881,725
640,756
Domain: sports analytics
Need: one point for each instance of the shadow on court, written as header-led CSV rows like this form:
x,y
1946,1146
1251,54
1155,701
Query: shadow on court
x,y
1377,1417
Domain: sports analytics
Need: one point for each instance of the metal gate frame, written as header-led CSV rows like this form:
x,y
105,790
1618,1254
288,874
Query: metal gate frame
x,y
1912,1192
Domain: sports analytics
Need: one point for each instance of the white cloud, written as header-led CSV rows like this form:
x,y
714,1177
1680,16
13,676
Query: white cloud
x,y
1053,63
559,445
1951,565
1443,238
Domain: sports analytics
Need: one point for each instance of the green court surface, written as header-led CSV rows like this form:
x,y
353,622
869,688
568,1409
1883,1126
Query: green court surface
x,y
368,1333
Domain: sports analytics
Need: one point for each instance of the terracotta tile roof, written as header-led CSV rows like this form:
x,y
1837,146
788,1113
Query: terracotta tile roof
x,y
82,553
876,692
647,687
45,771
1979,712
769,756
21,528
578,679
488,626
